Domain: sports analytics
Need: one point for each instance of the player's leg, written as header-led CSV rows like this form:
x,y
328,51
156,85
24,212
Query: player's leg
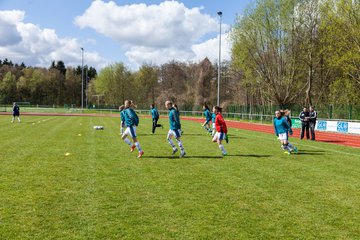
x,y
171,142
135,140
218,138
156,123
153,125
126,140
180,144
205,125
122,126
219,141
209,128
213,130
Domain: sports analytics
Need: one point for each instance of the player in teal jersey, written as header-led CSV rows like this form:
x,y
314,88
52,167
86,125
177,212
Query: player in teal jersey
x,y
282,129
155,117
175,129
208,117
213,117
131,122
122,119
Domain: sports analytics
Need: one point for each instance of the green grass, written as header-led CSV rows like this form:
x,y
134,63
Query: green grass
x,y
101,191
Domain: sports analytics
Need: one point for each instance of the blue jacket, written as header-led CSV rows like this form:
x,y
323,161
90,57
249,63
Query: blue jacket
x,y
174,119
207,114
154,113
131,118
281,126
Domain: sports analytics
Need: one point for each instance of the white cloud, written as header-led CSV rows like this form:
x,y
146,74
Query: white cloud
x,y
26,42
210,48
154,33
8,32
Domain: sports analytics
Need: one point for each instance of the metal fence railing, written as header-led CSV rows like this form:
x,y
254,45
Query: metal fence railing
x,y
240,116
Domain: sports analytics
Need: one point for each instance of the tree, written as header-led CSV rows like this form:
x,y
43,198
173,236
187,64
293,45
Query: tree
x,y
115,84
341,45
204,75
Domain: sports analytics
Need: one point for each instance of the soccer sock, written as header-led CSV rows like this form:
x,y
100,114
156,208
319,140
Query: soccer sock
x,y
290,146
18,119
171,142
180,145
121,130
286,147
213,132
222,148
128,142
137,144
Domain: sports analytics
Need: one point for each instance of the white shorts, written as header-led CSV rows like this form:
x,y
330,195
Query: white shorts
x,y
174,133
219,136
130,131
283,136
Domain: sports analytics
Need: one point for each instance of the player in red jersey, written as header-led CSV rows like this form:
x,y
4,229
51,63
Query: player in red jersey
x,y
221,129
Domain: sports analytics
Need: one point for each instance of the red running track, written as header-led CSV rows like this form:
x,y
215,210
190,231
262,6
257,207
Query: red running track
x,y
351,140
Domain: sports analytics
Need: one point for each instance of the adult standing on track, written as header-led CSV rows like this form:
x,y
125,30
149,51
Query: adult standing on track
x,y
304,117
16,112
312,122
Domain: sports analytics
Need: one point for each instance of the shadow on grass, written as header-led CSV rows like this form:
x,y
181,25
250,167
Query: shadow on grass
x,y
249,155
312,151
177,157
309,153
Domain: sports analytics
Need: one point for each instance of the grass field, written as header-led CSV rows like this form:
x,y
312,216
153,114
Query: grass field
x,y
101,191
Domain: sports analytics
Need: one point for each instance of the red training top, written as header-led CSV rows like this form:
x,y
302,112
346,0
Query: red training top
x,y
220,124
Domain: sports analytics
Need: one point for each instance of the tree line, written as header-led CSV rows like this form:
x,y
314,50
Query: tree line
x,y
284,53
56,85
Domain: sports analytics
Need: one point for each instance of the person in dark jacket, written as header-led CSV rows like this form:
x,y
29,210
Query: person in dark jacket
x,y
312,122
155,117
304,117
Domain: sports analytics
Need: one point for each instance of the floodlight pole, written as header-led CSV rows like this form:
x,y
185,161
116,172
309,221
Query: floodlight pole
x,y
219,61
82,79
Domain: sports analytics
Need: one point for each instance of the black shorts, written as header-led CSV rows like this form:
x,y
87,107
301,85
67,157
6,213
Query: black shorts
x,y
16,114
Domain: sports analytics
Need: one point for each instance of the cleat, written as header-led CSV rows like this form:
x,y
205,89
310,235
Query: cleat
x,y
295,150
182,154
132,148
140,154
174,151
224,154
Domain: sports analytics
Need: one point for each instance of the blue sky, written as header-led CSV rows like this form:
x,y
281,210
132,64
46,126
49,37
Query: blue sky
x,y
134,32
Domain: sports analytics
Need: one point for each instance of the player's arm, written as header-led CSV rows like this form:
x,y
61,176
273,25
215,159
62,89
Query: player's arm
x,y
276,132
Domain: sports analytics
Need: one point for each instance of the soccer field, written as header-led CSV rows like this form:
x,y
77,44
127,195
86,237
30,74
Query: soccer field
x,y
61,179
